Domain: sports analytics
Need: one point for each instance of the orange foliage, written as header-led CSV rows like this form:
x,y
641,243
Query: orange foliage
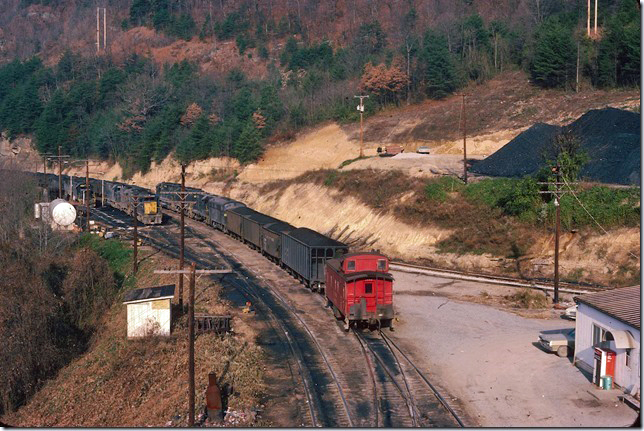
x,y
386,82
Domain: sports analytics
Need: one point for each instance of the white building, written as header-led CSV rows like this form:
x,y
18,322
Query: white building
x,y
610,321
149,311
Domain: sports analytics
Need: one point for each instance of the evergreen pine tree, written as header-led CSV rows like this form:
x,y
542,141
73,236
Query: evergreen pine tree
x,y
554,58
435,67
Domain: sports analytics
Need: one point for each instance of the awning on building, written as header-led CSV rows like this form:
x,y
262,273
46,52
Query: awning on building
x,y
623,339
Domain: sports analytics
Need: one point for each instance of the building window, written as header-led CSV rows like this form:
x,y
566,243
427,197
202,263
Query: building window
x,y
368,288
351,265
628,358
381,265
599,334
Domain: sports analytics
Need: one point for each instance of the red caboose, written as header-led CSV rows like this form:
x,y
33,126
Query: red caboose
x,y
359,287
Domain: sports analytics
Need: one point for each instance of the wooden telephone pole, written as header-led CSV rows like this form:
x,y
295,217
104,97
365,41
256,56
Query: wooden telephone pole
x,y
360,109
557,193
191,328
464,115
60,158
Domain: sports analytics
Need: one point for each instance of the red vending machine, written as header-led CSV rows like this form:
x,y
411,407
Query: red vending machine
x,y
603,365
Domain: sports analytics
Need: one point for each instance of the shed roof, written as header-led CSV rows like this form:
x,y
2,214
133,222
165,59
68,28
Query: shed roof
x,y
623,304
149,293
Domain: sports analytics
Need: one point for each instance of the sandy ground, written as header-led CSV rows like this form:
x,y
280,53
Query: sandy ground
x,y
416,165
486,358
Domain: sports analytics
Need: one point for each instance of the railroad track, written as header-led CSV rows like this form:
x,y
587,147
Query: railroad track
x,y
541,284
403,396
336,385
312,364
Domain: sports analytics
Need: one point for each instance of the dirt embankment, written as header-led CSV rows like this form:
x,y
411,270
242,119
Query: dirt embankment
x,y
136,383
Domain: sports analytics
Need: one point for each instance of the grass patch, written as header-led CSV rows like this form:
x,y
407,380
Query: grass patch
x,y
348,162
528,299
117,254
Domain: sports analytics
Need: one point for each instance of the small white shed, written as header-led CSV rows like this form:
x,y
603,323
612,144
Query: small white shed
x,y
610,321
149,311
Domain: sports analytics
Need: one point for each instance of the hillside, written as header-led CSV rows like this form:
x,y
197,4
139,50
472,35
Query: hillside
x,y
200,80
138,383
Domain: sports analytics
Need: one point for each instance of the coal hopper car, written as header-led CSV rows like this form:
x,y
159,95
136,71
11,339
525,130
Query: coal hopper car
x,y
271,239
305,253
217,207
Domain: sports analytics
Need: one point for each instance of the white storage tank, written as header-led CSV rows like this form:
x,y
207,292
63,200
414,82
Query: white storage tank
x,y
62,212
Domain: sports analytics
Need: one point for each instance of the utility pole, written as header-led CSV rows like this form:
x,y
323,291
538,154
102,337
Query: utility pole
x,y
60,172
60,158
104,29
182,224
588,20
191,328
191,343
360,109
463,113
135,263
557,193
87,192
98,32
596,1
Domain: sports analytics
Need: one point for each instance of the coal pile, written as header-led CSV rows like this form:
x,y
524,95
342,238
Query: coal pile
x,y
610,137
521,156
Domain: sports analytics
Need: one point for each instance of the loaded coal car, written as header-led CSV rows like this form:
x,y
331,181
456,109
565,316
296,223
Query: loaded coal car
x,y
359,288
148,209
216,210
235,221
252,228
271,239
305,253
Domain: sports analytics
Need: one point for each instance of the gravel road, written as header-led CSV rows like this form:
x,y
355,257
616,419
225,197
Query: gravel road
x,y
486,358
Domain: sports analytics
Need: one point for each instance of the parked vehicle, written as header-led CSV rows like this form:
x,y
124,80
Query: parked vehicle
x,y
423,150
359,288
571,312
561,341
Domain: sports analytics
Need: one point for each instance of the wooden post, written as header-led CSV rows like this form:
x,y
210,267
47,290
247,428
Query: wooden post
x,y
557,228
135,264
87,190
60,172
182,241
464,143
596,1
191,351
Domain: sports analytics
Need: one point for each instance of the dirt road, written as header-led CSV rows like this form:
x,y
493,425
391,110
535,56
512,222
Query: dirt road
x,y
486,357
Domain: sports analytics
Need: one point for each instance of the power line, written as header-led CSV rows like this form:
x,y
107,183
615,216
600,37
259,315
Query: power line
x,y
588,212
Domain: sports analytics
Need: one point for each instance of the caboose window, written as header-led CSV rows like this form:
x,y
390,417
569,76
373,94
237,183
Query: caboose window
x,y
351,265
381,264
368,288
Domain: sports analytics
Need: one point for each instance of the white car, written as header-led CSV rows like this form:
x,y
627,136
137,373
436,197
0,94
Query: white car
x,y
423,150
571,312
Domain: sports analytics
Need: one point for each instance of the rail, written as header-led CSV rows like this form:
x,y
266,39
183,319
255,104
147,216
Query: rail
x,y
571,288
